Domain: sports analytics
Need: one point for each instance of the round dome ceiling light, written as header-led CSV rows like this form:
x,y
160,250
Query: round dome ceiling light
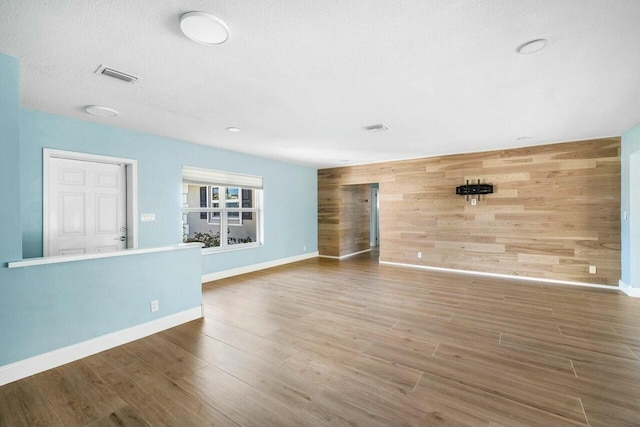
x,y
233,129
100,111
532,46
204,28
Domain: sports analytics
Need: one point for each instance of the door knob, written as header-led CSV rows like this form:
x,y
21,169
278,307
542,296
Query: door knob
x,y
121,238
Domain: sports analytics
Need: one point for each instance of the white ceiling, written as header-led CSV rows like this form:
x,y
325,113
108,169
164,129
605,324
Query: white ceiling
x,y
301,78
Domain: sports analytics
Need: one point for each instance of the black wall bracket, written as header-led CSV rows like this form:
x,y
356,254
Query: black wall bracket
x,y
474,189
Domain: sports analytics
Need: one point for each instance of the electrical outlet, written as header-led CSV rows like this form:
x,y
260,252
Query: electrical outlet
x,y
473,202
624,215
154,305
419,254
304,248
592,269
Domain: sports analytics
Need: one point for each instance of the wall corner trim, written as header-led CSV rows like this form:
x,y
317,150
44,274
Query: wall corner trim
x,y
344,256
504,276
42,362
210,277
632,291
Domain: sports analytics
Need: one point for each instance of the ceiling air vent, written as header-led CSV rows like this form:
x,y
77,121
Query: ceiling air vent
x,y
110,72
376,128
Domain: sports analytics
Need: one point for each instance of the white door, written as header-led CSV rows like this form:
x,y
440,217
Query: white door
x,y
87,209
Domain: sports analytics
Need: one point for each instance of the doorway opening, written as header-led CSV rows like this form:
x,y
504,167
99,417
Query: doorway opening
x,y
89,203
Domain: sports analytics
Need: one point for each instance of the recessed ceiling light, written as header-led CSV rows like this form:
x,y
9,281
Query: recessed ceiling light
x,y
233,129
522,138
376,128
532,46
204,28
100,111
345,161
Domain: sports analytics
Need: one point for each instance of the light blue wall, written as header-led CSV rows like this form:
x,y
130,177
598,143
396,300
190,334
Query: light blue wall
x,y
43,308
630,202
10,233
290,201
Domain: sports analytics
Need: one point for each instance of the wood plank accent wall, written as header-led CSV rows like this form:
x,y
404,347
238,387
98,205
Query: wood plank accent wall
x,y
555,211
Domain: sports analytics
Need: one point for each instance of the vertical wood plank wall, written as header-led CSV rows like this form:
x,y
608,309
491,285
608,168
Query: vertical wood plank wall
x,y
555,211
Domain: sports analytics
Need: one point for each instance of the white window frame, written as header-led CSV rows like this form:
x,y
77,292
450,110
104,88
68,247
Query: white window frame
x,y
223,223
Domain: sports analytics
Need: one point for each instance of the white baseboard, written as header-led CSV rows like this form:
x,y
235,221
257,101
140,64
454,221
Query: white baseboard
x,y
345,256
503,276
632,291
42,362
255,267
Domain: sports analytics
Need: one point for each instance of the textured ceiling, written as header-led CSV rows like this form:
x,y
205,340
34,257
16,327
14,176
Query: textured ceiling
x,y
301,78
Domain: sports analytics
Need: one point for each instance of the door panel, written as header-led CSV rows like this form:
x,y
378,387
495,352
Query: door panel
x,y
71,251
104,179
106,213
87,207
71,177
71,214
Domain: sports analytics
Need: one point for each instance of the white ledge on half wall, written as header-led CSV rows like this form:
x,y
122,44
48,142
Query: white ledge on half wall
x,y
80,257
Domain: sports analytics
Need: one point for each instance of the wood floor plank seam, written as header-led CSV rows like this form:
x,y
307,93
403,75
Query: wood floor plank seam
x,y
574,368
583,411
45,396
436,350
507,398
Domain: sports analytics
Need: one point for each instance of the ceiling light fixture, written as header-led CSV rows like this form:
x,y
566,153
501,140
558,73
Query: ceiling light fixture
x,y
532,46
204,28
522,138
100,111
376,128
233,129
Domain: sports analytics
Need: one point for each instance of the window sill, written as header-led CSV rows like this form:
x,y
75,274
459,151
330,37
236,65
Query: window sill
x,y
210,251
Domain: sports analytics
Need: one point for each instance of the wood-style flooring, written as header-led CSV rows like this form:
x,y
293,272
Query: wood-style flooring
x,y
353,343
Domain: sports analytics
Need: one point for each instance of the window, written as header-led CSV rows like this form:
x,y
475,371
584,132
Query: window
x,y
221,209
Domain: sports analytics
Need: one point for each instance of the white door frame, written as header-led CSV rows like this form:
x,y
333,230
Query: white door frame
x,y
131,167
634,218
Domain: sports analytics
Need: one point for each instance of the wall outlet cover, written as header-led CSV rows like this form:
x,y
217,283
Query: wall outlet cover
x,y
154,306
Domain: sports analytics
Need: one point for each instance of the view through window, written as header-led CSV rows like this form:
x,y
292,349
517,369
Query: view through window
x,y
220,216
